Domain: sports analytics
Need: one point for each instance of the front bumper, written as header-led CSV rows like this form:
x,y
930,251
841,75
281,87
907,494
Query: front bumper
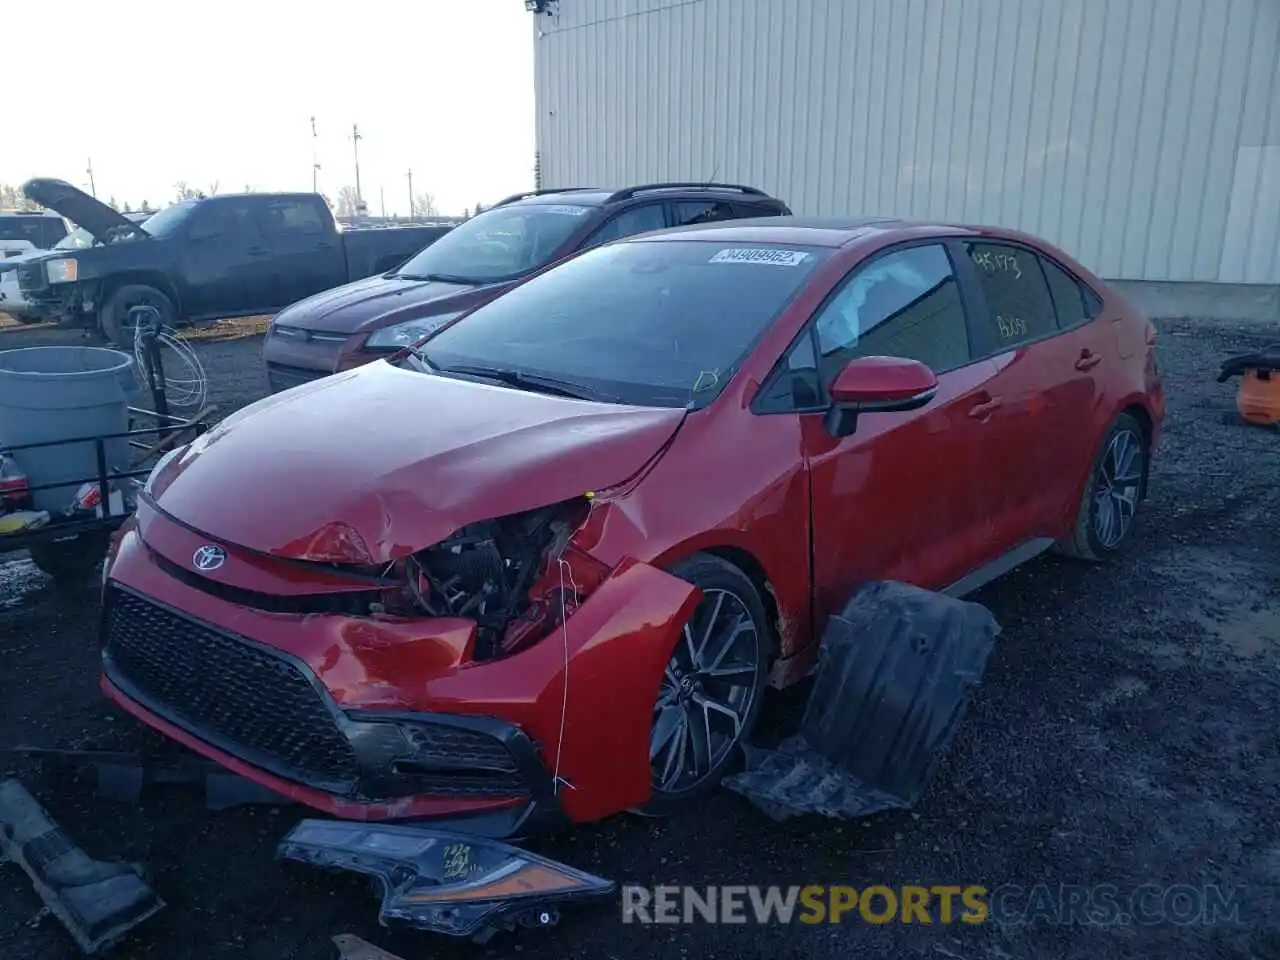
x,y
373,719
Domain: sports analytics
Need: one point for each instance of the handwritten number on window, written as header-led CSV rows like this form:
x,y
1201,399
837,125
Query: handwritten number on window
x,y
997,262
1011,327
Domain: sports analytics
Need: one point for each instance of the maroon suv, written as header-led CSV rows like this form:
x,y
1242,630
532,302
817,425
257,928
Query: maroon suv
x,y
478,260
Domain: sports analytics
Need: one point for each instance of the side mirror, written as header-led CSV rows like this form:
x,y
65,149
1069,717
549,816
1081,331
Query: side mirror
x,y
877,385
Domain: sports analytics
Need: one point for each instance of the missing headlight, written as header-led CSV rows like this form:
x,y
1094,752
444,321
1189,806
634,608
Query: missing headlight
x,y
503,573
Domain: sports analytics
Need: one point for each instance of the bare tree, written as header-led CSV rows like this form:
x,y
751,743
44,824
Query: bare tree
x,y
184,191
348,204
424,205
213,189
12,198
480,208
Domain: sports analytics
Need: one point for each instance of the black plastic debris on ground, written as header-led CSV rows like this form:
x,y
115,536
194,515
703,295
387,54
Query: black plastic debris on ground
x,y
97,902
121,777
894,674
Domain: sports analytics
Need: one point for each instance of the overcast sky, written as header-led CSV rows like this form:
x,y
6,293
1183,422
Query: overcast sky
x,y
158,91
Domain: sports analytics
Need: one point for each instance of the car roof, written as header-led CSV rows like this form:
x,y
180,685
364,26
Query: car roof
x,y
812,231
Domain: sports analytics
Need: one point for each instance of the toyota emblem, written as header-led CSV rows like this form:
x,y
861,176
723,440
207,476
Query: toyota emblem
x,y
208,557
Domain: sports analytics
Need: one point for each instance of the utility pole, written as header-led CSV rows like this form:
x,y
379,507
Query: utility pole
x,y
93,188
382,200
315,160
412,212
355,146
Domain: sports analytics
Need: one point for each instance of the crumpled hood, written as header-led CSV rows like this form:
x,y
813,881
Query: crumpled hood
x,y
376,463
376,302
78,207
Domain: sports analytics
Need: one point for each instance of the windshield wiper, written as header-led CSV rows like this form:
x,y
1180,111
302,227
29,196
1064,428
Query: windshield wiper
x,y
439,278
527,381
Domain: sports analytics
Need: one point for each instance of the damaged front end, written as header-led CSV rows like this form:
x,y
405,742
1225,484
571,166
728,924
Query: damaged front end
x,y
517,577
493,676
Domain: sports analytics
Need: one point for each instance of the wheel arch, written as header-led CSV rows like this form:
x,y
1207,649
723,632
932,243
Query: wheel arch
x,y
750,566
144,278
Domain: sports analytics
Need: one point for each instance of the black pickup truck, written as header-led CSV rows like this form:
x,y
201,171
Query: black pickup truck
x,y
202,259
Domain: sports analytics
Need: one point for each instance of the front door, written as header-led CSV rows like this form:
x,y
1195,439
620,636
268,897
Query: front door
x,y
905,495
226,263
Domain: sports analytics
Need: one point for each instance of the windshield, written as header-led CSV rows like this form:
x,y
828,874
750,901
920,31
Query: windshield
x,y
653,324
168,220
499,244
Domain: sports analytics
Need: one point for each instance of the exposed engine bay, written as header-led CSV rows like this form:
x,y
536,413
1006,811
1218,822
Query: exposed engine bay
x,y
509,574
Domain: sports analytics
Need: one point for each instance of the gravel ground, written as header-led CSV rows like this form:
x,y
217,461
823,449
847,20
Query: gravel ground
x,y
1125,734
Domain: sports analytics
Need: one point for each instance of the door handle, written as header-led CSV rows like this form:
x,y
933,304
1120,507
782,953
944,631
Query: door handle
x,y
323,245
258,251
1088,360
985,407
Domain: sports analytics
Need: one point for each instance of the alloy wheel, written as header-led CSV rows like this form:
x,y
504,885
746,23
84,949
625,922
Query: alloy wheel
x,y
1118,488
707,693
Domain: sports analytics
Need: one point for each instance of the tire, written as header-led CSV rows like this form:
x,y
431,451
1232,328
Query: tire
x,y
1092,539
682,699
71,562
114,316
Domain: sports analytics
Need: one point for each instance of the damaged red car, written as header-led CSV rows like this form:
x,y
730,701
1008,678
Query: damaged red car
x,y
542,565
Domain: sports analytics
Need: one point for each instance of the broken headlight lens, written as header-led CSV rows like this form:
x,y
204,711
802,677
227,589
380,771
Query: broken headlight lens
x,y
445,882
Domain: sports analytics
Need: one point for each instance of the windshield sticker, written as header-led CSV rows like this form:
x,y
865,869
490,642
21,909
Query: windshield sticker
x,y
563,209
780,258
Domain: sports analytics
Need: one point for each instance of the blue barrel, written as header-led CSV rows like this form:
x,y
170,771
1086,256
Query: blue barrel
x,y
65,393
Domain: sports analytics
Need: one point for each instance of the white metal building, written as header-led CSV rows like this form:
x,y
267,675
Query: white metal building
x,y
1143,136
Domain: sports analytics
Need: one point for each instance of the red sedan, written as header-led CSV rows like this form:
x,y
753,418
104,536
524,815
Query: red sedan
x,y
544,564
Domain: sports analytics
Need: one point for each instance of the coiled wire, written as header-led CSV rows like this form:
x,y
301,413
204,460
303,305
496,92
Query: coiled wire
x,y
186,385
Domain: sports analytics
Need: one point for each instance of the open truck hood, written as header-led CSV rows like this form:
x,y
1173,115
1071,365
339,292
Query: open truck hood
x,y
379,462
80,208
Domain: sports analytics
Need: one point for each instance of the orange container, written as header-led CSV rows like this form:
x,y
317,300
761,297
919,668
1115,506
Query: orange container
x,y
1259,397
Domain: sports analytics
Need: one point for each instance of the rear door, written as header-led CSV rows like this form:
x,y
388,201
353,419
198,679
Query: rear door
x,y
1049,386
304,248
225,260
902,497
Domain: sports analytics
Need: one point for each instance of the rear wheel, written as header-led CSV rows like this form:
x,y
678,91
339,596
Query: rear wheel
x,y
114,319
1109,509
72,561
712,686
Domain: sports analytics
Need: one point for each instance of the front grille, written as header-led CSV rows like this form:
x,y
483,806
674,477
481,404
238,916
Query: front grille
x,y
242,698
281,376
31,276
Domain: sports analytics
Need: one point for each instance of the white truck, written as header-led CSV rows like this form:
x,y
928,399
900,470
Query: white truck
x,y
12,301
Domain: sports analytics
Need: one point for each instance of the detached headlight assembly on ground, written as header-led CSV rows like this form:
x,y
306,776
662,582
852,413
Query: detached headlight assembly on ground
x,y
445,882
62,270
408,333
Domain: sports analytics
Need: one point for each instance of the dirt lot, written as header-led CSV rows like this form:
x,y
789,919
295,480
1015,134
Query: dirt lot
x,y
1126,734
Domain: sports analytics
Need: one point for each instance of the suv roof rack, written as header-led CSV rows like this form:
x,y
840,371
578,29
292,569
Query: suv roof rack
x,y
628,192
538,193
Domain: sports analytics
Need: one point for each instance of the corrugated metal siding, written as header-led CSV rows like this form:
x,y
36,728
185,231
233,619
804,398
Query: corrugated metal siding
x,y
1143,136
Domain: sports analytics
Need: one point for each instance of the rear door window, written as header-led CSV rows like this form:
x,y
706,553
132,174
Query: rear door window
x,y
650,216
689,212
293,217
1019,307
